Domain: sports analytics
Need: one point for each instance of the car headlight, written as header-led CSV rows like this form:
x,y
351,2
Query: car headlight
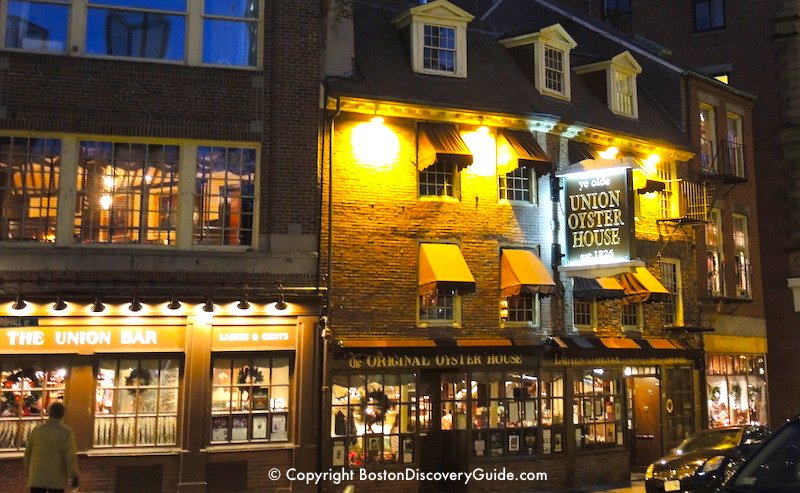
x,y
713,463
689,469
648,474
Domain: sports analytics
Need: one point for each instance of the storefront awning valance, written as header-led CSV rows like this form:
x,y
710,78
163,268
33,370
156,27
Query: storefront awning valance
x,y
634,345
578,151
522,269
517,148
642,287
441,266
597,289
441,141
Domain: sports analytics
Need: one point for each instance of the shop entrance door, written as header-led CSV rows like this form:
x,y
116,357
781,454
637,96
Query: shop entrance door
x,y
443,426
646,420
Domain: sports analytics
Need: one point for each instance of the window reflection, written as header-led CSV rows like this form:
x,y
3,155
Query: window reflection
x,y
37,26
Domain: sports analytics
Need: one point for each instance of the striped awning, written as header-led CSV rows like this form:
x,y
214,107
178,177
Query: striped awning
x,y
620,343
441,141
522,269
642,287
597,289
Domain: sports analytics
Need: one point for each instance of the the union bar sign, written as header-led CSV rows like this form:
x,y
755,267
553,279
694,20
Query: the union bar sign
x,y
599,216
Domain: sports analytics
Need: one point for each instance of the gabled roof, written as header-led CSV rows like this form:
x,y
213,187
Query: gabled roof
x,y
624,61
439,9
496,82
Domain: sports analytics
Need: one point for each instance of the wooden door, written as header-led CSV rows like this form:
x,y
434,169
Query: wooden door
x,y
646,420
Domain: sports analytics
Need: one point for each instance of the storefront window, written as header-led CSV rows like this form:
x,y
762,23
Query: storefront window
x,y
136,402
373,419
26,392
737,392
552,415
597,409
249,399
504,411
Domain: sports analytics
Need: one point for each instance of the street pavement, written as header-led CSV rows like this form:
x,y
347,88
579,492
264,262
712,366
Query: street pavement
x,y
635,487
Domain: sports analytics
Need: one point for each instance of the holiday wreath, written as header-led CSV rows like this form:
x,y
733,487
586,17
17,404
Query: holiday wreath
x,y
374,405
138,377
250,374
13,399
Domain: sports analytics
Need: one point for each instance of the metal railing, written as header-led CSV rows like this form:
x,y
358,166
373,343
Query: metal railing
x,y
726,160
692,201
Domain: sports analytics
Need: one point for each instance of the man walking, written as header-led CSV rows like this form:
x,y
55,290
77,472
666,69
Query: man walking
x,y
51,454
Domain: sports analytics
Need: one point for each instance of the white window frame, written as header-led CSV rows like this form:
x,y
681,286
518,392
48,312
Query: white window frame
x,y
554,37
621,67
67,193
678,288
639,308
537,314
439,13
715,246
668,198
741,246
454,322
592,316
533,186
193,42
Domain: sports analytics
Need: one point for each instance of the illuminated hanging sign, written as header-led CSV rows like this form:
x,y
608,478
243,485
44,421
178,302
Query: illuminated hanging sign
x,y
599,216
89,340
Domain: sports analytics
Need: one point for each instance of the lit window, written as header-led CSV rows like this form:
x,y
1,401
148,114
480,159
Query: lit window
x,y
136,403
224,196
714,254
26,392
671,279
709,15
708,137
667,197
128,193
37,25
167,30
519,185
735,145
250,399
520,308
439,48
624,91
597,409
30,169
439,180
722,78
741,245
438,306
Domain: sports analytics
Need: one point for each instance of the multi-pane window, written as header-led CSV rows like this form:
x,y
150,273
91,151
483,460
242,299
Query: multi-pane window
x,y
37,25
505,410
632,315
551,414
30,169
709,15
667,202
735,145
230,32
624,84
439,180
438,306
373,419
737,389
714,254
583,313
679,419
708,137
218,32
741,246
26,392
671,279
127,193
136,402
597,409
518,185
554,69
439,48
249,399
520,308
224,195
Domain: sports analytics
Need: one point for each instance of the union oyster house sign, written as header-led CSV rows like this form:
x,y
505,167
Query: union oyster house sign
x,y
599,216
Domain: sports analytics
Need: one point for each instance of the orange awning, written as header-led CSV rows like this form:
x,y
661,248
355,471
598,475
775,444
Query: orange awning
x,y
601,288
441,141
441,266
517,148
642,287
523,269
619,343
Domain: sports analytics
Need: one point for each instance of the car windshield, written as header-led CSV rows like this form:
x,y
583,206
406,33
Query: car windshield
x,y
775,468
712,439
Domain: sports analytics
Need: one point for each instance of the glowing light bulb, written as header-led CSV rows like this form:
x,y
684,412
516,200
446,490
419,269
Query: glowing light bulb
x,y
105,201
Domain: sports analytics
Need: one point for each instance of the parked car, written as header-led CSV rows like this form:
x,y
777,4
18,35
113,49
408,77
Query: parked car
x,y
704,460
774,467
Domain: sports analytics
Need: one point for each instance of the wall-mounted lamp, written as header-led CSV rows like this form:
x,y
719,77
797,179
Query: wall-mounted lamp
x,y
19,303
281,303
59,304
208,307
135,305
652,186
98,305
174,304
243,303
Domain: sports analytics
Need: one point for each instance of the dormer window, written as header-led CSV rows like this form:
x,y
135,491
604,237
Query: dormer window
x,y
551,65
619,81
438,36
